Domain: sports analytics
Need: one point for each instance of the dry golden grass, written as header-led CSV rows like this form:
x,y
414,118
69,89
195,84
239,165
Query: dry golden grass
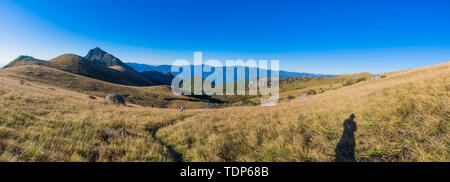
x,y
149,96
42,124
295,88
404,117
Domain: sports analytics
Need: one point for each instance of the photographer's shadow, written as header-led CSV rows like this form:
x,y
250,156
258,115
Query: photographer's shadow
x,y
345,149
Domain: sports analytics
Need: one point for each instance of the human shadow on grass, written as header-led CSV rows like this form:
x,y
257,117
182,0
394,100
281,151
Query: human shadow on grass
x,y
345,149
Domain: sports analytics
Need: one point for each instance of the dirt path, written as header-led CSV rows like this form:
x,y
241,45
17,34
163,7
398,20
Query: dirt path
x,y
174,155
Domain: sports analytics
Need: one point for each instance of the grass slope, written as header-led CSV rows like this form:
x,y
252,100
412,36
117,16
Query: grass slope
x,y
42,124
152,96
403,117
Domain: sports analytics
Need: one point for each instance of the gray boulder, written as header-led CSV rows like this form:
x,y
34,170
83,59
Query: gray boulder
x,y
376,77
304,97
115,98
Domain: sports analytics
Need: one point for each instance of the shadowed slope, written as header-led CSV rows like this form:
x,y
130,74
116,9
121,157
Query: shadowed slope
x,y
101,57
158,78
81,66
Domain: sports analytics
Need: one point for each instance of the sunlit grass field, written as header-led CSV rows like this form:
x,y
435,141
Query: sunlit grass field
x,y
403,117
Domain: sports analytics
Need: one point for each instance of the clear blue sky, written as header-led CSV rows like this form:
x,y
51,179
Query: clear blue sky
x,y
316,36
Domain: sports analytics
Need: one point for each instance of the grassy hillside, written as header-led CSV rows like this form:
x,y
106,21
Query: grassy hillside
x,y
154,96
42,124
81,66
297,88
294,88
403,117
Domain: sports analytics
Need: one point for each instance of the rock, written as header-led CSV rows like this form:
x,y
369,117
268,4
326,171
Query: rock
x,y
376,77
115,132
115,98
304,97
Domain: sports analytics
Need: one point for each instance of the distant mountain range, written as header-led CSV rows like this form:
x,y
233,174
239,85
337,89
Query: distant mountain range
x,y
101,65
167,69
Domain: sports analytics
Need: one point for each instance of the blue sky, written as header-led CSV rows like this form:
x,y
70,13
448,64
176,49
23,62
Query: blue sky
x,y
334,37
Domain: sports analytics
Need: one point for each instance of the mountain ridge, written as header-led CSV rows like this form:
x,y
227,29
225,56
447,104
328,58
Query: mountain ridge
x,y
97,64
166,68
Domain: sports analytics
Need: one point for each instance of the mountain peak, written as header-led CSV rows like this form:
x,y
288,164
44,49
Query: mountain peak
x,y
100,56
96,52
